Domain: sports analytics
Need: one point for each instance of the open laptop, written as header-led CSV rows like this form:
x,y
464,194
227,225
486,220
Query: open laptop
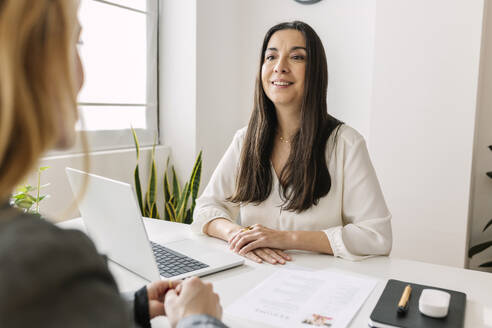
x,y
113,220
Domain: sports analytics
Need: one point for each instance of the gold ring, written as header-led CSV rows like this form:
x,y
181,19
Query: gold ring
x,y
170,284
246,228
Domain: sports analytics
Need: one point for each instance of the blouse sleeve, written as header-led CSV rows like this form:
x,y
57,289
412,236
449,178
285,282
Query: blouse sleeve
x,y
366,229
212,203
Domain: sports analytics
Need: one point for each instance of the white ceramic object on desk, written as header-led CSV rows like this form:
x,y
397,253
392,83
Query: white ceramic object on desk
x,y
434,303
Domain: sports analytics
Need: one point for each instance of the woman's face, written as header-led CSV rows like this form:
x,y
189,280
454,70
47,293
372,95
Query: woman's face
x,y
284,68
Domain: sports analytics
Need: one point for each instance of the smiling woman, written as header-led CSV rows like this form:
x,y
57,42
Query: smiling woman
x,y
300,178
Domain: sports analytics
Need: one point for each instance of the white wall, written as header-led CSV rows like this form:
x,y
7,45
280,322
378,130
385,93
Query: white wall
x,y
481,200
218,78
423,113
198,91
177,81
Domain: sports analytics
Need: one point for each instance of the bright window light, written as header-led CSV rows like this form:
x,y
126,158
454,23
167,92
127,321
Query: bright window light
x,y
119,55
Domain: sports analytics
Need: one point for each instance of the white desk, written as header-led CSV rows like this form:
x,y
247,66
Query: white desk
x,y
233,283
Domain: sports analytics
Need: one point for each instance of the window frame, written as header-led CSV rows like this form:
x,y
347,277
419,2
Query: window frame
x,y
107,140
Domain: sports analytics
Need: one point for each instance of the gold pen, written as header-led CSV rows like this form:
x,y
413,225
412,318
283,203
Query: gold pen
x,y
403,304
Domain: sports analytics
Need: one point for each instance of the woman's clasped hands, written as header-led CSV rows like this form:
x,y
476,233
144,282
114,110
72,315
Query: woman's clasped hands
x,y
178,299
259,243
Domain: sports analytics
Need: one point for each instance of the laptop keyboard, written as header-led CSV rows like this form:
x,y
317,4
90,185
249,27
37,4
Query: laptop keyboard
x,y
172,263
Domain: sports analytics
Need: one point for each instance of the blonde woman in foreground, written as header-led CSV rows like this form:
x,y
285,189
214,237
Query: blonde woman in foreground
x,y
51,277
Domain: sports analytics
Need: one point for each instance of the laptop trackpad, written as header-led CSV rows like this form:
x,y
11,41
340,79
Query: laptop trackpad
x,y
201,252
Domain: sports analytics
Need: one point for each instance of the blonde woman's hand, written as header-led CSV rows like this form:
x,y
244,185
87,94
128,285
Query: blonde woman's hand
x,y
193,296
156,292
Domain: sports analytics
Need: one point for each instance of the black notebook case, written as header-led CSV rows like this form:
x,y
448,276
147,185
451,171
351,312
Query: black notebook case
x,y
385,311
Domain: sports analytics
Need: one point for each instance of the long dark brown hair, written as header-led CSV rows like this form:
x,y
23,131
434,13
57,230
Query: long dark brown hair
x,y
305,177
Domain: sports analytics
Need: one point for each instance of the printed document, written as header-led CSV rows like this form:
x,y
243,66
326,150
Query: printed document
x,y
307,299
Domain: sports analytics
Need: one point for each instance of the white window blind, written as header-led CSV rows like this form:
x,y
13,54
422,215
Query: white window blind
x,y
119,55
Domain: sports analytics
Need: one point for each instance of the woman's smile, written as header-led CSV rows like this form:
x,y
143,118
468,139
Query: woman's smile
x,y
281,84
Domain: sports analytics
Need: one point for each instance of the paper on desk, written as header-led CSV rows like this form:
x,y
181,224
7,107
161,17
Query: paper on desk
x,y
295,298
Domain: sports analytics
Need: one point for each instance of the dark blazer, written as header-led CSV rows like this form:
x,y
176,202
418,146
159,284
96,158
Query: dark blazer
x,y
50,277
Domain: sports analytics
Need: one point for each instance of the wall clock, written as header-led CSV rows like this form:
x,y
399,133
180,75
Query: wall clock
x,y
307,2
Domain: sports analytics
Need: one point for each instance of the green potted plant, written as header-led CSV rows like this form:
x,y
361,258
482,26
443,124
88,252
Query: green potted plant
x,y
483,246
27,197
179,204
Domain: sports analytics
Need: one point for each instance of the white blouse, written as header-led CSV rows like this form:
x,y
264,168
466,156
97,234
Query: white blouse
x,y
353,214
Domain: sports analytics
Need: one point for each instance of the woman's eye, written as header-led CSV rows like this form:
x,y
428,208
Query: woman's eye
x,y
298,57
270,57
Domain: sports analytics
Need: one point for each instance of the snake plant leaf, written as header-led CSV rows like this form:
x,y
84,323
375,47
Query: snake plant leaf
x,y
146,207
167,190
154,213
151,211
167,187
138,189
137,144
195,180
176,191
189,217
183,202
151,191
167,195
479,248
169,213
152,185
136,173
487,225
486,265
182,196
172,211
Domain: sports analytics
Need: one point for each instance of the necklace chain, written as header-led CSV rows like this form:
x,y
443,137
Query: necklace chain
x,y
284,140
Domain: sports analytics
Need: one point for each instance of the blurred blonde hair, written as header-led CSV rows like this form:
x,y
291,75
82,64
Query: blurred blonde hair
x,y
38,92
